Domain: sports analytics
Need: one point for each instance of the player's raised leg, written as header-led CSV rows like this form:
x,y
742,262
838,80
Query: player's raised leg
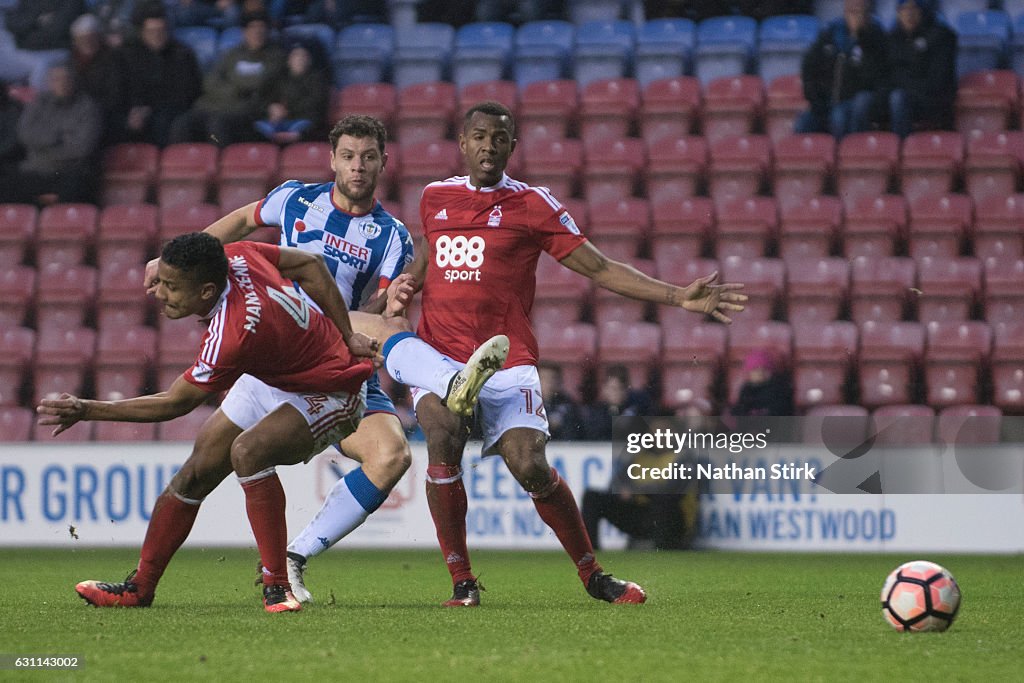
x,y
172,518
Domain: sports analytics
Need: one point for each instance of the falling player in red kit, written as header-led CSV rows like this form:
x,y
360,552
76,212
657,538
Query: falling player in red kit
x,y
260,325
483,235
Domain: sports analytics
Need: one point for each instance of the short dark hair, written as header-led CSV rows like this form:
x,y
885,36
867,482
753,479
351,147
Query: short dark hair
x,y
490,108
359,126
198,254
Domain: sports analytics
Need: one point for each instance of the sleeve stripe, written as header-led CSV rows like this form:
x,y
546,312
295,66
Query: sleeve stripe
x,y
211,349
548,197
256,214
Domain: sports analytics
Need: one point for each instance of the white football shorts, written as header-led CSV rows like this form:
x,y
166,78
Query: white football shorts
x,y
511,398
331,417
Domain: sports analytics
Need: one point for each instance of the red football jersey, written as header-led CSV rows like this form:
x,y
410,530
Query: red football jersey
x,y
262,326
481,277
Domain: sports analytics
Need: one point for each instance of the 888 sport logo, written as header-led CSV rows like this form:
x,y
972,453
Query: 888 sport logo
x,y
462,256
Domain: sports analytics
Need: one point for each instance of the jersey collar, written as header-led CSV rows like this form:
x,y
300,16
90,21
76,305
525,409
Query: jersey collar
x,y
217,306
500,185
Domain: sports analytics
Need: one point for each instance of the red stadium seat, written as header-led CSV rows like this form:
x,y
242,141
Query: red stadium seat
x,y
376,99
739,167
956,362
554,164
552,106
17,232
669,109
745,228
17,290
809,229
122,361
691,360
425,112
16,423
817,289
682,226
126,235
1004,290
985,100
612,168
939,225
574,347
873,226
246,171
66,233
17,348
903,425
637,345
504,92
932,162
186,427
122,299
179,220
619,226
867,164
608,108
949,288
969,424
995,163
747,336
63,359
997,224
823,357
732,106
129,171
186,172
561,293
803,165
610,306
837,426
117,432
784,102
764,281
880,288
675,167
423,163
309,162
890,358
1008,367
65,296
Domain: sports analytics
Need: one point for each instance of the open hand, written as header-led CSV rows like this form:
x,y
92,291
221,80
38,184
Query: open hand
x,y
400,293
704,296
363,346
63,412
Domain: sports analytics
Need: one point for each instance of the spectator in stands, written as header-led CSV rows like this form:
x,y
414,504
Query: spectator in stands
x,y
162,77
616,399
564,414
766,389
341,13
299,102
844,73
99,73
116,18
37,37
10,147
922,67
60,132
237,90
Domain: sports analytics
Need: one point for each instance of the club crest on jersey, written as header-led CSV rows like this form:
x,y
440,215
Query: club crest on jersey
x,y
494,218
369,230
570,225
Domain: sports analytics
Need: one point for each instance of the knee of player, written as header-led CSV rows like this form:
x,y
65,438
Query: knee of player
x,y
397,324
395,458
530,469
245,455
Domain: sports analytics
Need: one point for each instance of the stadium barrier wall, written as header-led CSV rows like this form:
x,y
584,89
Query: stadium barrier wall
x,y
101,494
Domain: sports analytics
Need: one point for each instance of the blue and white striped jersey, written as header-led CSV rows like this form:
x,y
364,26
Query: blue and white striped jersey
x,y
364,253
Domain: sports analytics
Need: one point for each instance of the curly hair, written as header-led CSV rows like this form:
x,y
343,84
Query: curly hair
x,y
359,126
199,255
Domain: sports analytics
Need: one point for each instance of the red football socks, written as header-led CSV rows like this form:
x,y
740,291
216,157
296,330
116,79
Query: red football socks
x,y
264,503
557,507
446,497
169,526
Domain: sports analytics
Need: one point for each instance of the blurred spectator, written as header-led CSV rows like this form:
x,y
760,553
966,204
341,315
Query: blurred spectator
x,y
237,90
37,37
299,103
10,147
116,19
341,13
564,415
216,13
60,132
766,389
162,77
922,64
844,73
517,12
616,399
99,73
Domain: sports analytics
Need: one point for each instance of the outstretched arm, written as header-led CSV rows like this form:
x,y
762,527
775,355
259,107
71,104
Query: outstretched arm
x,y
701,296
180,399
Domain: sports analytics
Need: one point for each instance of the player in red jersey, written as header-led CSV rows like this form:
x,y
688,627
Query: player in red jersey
x,y
260,325
483,235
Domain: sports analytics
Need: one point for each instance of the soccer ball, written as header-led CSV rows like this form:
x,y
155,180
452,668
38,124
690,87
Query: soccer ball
x,y
920,596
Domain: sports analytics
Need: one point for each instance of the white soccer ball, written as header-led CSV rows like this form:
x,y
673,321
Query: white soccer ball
x,y
920,596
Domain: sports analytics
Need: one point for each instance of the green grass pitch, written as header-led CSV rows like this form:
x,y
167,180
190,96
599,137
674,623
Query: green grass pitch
x,y
710,616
